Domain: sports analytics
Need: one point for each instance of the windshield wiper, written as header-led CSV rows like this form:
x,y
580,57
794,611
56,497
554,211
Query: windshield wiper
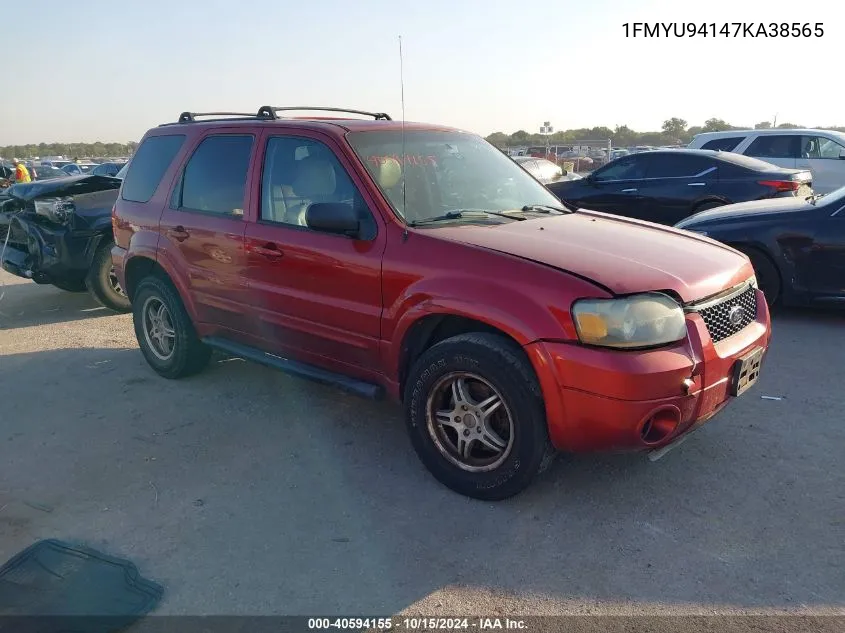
x,y
461,213
545,208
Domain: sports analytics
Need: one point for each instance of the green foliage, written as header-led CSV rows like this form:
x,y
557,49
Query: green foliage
x,y
674,131
69,150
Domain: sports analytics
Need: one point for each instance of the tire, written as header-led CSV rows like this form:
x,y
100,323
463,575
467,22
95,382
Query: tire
x,y
187,354
768,277
488,365
69,285
101,282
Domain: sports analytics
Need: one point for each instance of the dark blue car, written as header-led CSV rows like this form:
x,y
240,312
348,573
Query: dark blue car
x,y
668,186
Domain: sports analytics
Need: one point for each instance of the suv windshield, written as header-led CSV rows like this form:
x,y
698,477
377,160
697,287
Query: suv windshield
x,y
446,171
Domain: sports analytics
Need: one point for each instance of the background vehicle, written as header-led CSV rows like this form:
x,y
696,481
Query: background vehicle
x,y
797,245
46,172
820,151
420,261
78,169
544,170
59,232
107,169
665,186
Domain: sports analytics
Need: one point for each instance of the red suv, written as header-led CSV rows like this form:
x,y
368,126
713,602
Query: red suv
x,y
421,262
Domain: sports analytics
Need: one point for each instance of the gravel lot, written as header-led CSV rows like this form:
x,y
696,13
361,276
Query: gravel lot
x,y
243,490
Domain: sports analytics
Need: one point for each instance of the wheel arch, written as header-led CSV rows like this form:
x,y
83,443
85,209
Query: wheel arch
x,y
141,266
430,329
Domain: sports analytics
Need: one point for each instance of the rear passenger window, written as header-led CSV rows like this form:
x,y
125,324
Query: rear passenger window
x,y
680,166
148,165
214,180
723,144
775,146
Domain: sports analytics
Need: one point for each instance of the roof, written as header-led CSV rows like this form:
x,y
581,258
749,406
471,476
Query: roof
x,y
324,125
777,130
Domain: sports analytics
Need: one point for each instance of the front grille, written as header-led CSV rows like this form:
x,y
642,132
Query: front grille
x,y
717,317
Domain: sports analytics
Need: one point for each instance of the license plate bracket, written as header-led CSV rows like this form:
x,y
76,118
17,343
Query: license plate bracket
x,y
746,371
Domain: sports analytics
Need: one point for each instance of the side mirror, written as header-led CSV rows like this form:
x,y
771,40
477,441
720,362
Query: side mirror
x,y
333,217
842,154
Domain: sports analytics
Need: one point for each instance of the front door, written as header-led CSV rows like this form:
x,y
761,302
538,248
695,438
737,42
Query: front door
x,y
316,296
202,228
615,188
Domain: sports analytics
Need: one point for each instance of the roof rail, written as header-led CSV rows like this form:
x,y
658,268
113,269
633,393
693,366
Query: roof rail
x,y
270,112
190,117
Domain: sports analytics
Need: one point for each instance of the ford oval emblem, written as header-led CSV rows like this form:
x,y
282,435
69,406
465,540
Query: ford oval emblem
x,y
736,315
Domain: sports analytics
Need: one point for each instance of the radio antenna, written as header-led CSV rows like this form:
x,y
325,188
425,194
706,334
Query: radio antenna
x,y
404,158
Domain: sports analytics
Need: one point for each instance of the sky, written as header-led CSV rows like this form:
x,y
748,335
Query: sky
x,y
108,71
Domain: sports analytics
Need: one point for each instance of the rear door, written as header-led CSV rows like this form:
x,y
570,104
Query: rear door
x,y
674,183
615,188
203,227
825,158
779,149
316,296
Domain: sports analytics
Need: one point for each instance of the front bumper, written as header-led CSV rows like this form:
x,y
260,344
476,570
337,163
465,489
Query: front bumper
x,y
607,400
47,253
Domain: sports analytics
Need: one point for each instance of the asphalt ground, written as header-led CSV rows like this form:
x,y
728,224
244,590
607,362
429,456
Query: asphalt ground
x,y
246,491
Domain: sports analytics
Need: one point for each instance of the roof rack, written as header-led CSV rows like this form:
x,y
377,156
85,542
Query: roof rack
x,y
190,117
269,112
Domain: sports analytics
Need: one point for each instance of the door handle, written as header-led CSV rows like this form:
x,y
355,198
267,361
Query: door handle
x,y
629,191
269,251
696,184
179,234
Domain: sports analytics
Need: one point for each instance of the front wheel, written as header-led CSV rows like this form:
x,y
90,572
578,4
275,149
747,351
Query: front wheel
x,y
476,416
767,274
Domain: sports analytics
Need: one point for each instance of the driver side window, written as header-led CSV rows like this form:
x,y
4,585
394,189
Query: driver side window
x,y
630,168
299,172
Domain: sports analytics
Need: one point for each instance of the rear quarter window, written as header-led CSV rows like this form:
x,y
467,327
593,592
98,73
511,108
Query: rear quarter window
x,y
723,144
148,165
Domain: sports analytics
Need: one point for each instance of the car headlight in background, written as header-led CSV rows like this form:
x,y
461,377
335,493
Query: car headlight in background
x,y
642,320
58,210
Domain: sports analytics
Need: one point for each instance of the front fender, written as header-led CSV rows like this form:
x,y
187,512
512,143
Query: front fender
x,y
527,312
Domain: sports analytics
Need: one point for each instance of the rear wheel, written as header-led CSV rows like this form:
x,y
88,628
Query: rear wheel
x,y
767,274
476,416
165,334
102,281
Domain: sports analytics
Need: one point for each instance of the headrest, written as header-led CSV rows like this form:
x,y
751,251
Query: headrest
x,y
314,177
388,172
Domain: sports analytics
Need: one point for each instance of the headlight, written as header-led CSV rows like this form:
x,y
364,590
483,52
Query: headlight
x,y
56,210
637,321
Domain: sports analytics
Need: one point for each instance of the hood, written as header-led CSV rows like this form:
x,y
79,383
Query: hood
x,y
623,255
72,185
756,209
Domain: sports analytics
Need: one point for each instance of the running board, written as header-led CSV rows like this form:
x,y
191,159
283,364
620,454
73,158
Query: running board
x,y
303,370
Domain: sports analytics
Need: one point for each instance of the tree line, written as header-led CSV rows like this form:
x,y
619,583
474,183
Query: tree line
x,y
69,150
674,131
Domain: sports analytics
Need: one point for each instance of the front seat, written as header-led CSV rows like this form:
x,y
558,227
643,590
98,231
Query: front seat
x,y
315,181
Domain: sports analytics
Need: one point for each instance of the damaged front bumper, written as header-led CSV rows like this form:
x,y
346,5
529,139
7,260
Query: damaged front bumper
x,y
47,254
59,248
